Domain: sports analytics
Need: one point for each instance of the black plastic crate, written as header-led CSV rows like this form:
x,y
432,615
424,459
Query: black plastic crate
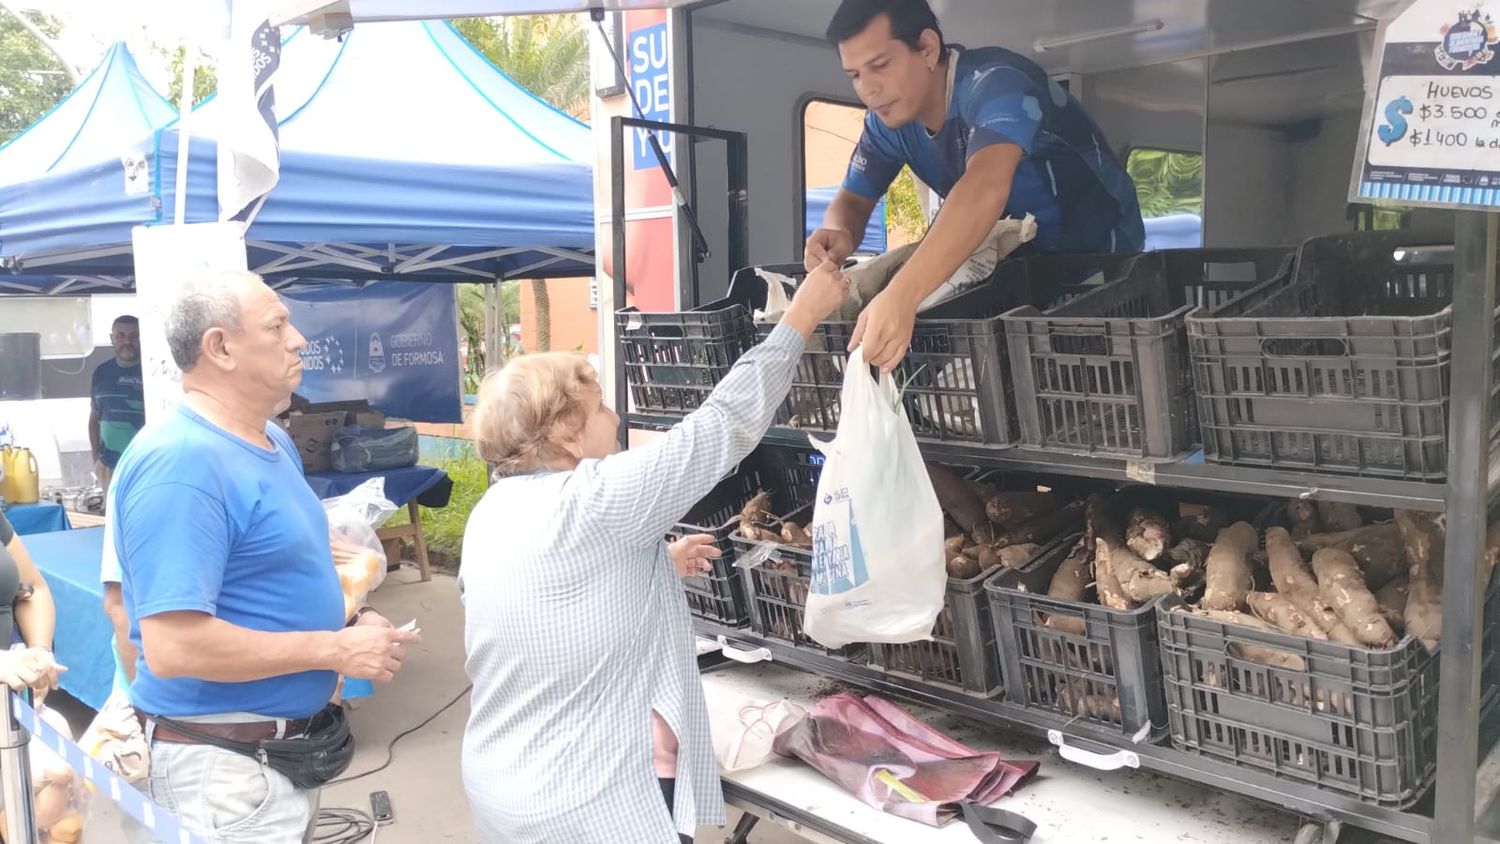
x,y
1108,677
962,654
1344,369
719,595
1108,373
954,377
776,576
965,651
776,589
1353,721
674,360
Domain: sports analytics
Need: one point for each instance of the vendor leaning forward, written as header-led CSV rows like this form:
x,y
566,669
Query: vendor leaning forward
x,y
989,132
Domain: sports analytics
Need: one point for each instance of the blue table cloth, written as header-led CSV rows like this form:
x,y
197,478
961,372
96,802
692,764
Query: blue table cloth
x,y
84,641
42,517
429,486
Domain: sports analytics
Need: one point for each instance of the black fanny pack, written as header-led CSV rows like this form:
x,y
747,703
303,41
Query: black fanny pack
x,y
310,761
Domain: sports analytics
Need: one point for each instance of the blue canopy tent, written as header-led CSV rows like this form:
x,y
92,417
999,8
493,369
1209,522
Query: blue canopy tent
x,y
818,200
114,103
404,155
113,107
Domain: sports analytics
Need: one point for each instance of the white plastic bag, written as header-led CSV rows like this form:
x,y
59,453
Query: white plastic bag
x,y
1004,238
115,738
358,553
777,300
60,797
744,731
870,277
878,572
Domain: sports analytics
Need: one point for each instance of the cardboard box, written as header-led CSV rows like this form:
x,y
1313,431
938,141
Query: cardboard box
x,y
312,433
367,419
350,406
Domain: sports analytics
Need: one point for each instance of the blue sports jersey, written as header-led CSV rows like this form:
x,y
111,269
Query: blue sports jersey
x,y
1069,179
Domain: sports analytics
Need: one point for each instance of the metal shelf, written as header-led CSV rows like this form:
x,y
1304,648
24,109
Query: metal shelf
x,y
1373,492
1463,498
1292,796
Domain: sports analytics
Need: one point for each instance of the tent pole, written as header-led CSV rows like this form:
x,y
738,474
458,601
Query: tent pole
x,y
492,347
184,136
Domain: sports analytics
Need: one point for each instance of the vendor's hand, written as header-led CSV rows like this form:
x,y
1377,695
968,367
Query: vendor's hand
x,y
827,245
371,652
884,330
33,668
694,554
819,295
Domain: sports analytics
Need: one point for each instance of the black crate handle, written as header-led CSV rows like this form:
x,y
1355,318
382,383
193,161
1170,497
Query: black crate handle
x,y
1084,341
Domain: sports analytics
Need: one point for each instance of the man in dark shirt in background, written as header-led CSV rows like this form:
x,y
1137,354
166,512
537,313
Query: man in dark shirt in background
x,y
117,405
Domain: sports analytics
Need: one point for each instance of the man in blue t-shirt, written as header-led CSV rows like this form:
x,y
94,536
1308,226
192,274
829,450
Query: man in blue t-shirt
x,y
226,573
117,404
989,132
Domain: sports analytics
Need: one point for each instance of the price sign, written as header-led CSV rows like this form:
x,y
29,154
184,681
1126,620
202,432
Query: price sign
x,y
1432,128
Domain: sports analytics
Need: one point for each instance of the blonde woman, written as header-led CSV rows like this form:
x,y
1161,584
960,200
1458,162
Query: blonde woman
x,y
578,638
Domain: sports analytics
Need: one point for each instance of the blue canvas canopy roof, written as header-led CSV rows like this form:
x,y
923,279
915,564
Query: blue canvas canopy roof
x,y
114,103
404,155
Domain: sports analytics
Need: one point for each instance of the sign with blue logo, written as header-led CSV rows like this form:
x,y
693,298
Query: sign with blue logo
x,y
1433,125
650,55
392,343
838,558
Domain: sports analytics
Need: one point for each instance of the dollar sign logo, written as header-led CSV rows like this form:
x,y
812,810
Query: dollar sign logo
x,y
1395,125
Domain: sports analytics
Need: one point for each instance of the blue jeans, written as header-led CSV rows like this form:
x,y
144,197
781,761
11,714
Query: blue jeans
x,y
228,798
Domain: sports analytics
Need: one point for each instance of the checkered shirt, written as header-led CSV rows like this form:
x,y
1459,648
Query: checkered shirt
x,y
577,628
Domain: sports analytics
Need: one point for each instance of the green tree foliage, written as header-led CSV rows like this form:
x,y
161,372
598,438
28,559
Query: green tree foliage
x,y
1167,182
205,81
903,211
472,323
31,79
547,55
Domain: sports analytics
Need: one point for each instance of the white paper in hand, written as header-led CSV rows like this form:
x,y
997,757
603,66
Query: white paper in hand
x,y
878,572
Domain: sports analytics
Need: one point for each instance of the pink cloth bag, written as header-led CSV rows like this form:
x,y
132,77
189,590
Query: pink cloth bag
x,y
893,762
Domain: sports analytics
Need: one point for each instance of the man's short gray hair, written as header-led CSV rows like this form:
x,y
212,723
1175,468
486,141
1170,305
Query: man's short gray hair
x,y
201,305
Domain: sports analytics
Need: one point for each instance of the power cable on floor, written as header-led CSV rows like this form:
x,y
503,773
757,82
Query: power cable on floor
x,y
343,826
390,749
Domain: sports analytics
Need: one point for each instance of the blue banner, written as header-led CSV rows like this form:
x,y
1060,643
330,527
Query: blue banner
x,y
392,343
651,76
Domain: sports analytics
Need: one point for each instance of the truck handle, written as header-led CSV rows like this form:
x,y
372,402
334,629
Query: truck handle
x,y
1098,761
749,657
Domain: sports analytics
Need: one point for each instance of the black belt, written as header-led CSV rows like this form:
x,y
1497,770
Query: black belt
x,y
249,732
